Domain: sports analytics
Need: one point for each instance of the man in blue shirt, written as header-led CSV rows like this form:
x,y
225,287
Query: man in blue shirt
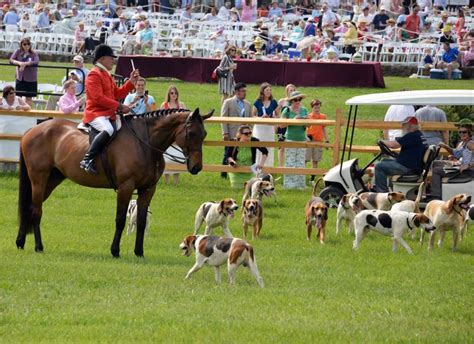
x,y
450,59
410,159
310,29
11,17
43,21
274,46
380,19
275,11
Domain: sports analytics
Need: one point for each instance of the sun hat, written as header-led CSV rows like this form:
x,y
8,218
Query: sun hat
x,y
410,120
294,95
382,8
78,58
103,50
447,28
465,122
234,9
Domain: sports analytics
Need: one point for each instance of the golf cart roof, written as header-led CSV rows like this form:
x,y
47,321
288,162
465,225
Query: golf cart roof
x,y
430,97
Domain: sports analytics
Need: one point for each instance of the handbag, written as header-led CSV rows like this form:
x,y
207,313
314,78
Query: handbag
x,y
221,73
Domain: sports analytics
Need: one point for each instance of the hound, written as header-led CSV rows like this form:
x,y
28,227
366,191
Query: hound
x,y
389,223
252,215
316,212
347,209
215,214
381,200
411,206
132,213
216,251
469,219
257,187
447,216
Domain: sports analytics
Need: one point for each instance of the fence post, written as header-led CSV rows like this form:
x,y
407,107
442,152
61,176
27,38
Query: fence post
x,y
337,137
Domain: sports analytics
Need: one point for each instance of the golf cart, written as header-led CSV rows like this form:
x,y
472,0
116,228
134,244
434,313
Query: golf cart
x,y
347,176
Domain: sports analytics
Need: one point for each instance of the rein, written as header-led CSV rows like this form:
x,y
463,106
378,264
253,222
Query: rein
x,y
172,157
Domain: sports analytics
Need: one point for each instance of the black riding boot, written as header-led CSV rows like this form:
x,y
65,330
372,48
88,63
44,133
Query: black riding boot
x,y
97,145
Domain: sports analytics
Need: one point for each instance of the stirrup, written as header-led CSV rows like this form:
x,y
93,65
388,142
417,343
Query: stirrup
x,y
88,166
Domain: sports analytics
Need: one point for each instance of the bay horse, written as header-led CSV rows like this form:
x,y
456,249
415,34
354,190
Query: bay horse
x,y
51,151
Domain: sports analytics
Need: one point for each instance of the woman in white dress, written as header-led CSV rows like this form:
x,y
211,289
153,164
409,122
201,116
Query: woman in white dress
x,y
265,107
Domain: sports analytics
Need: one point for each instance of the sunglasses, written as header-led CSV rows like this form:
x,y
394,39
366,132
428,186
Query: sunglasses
x,y
12,92
247,133
297,100
173,93
462,132
26,44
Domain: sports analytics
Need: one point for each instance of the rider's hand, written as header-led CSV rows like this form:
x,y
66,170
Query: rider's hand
x,y
125,108
134,75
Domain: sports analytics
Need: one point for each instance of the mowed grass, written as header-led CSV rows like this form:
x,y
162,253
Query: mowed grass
x,y
76,292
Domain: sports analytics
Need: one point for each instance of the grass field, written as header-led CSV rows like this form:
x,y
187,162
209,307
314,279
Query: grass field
x,y
76,292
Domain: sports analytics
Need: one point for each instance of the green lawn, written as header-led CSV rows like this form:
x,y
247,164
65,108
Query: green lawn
x,y
76,292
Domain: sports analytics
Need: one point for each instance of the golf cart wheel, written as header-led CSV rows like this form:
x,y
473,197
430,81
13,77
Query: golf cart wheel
x,y
332,196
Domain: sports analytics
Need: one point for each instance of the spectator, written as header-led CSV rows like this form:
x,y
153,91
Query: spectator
x,y
447,35
450,59
235,106
186,16
380,19
403,34
297,33
459,26
224,13
428,61
410,159
234,15
310,29
244,156
274,46
265,107
26,61
294,157
350,37
25,24
219,38
275,10
78,77
122,26
57,15
43,23
11,19
329,19
11,101
172,99
80,36
144,42
68,103
397,113
443,22
172,102
140,102
365,16
262,12
428,28
468,57
462,156
328,47
211,15
430,113
249,10
282,105
97,37
390,33
316,133
413,23
226,80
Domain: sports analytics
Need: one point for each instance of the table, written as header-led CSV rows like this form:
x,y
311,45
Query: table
x,y
343,74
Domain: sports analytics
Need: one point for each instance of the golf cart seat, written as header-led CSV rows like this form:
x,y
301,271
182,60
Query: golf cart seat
x,y
430,155
457,179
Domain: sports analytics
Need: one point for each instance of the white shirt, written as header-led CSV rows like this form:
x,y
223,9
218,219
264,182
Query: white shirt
x,y
328,18
397,113
369,18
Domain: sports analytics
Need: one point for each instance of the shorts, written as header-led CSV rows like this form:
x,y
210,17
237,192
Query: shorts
x,y
314,154
26,88
281,134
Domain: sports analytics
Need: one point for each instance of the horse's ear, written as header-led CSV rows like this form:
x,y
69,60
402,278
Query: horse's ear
x,y
208,115
195,114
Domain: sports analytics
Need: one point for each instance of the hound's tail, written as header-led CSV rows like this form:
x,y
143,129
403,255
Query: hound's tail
x,y
199,219
315,187
418,197
252,264
24,203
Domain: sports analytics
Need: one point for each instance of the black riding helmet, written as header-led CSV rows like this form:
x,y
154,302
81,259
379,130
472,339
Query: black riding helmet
x,y
103,50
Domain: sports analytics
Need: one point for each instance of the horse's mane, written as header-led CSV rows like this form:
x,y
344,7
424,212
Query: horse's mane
x,y
156,114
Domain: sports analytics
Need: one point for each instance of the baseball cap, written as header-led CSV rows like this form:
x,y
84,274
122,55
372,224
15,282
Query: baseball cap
x,y
410,120
382,8
78,58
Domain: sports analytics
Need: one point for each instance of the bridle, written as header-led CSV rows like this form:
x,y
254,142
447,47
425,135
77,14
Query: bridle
x,y
174,158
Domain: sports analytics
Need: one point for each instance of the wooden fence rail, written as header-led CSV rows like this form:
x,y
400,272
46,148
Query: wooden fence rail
x,y
336,146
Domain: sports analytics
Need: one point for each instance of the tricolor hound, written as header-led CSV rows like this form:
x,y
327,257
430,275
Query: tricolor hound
x,y
381,200
215,214
347,209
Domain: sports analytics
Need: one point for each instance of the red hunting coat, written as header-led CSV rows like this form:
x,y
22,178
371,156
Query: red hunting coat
x,y
103,95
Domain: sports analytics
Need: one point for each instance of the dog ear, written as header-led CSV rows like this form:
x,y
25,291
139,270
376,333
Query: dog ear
x,y
344,198
417,219
449,207
325,216
220,208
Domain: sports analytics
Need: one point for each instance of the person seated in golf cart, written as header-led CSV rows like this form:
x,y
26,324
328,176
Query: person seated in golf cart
x,y
461,163
410,159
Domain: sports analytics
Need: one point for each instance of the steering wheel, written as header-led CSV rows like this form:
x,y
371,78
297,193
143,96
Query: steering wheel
x,y
385,150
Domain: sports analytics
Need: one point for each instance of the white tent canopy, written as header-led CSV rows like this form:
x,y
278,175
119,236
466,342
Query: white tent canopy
x,y
430,97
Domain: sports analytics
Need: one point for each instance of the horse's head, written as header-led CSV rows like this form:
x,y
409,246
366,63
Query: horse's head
x,y
191,138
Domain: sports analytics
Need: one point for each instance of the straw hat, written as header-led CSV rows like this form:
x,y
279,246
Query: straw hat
x,y
234,10
466,123
447,28
295,95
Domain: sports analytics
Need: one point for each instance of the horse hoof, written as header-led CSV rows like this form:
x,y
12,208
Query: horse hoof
x,y
39,249
20,244
139,254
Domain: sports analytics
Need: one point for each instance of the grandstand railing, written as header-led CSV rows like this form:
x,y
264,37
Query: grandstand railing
x,y
335,146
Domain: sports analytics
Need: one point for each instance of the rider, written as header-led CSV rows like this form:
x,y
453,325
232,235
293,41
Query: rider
x,y
103,97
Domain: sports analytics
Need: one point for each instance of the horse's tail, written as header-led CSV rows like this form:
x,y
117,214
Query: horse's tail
x,y
24,199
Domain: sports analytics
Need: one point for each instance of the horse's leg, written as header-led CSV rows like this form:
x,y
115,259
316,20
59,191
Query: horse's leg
x,y
38,188
55,178
143,201
124,194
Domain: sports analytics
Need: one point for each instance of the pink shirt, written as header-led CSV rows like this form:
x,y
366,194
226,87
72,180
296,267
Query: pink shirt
x,y
69,103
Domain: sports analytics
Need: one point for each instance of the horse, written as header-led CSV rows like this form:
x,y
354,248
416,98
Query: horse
x,y
51,151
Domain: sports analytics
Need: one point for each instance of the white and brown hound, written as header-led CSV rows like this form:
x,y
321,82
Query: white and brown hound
x,y
380,200
252,215
215,214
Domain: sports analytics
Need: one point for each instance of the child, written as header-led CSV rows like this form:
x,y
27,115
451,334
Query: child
x,y
316,133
